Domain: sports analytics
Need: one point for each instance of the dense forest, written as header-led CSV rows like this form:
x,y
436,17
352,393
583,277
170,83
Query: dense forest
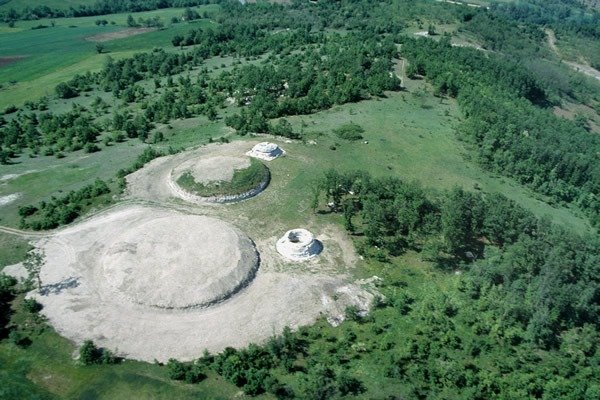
x,y
562,15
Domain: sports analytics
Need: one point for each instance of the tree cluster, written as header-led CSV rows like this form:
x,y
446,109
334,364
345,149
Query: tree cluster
x,y
512,134
99,7
90,354
546,276
63,210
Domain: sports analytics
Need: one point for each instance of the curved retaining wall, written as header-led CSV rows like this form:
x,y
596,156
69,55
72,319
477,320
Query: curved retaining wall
x,y
194,198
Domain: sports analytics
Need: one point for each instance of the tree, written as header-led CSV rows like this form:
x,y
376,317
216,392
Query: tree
x,y
99,48
457,221
319,383
176,369
89,354
66,91
131,21
33,264
350,385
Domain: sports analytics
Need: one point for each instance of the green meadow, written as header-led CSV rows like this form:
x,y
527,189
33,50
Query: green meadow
x,y
50,55
57,4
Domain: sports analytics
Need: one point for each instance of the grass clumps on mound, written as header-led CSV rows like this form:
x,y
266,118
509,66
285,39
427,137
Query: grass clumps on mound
x,y
350,131
243,180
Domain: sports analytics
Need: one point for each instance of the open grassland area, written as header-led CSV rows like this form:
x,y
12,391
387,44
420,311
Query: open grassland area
x,y
38,179
13,249
45,370
410,135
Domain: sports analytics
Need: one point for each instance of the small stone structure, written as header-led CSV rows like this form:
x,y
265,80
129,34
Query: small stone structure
x,y
266,151
299,245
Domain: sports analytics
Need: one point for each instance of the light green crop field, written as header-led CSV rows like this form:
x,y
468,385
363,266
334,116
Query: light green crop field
x,y
48,56
57,4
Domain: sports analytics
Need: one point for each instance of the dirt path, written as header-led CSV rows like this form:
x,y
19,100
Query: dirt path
x,y
584,69
22,233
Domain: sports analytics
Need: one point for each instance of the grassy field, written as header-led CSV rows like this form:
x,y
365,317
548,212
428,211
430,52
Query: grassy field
x,y
46,369
13,249
411,136
56,53
243,180
58,4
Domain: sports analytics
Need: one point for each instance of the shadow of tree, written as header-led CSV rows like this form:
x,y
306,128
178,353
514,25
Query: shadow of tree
x,y
55,288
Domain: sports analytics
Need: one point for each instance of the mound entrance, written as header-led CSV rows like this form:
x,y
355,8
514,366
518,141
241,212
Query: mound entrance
x,y
266,151
298,245
179,261
220,179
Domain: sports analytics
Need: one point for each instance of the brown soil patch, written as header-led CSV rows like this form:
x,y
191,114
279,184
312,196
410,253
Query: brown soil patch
x,y
105,37
4,61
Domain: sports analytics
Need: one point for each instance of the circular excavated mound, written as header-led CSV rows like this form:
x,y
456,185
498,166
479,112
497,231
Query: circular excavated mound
x,y
179,261
213,170
298,245
266,151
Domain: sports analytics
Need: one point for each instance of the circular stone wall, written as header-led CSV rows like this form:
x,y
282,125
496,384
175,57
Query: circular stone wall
x,y
266,151
298,245
211,170
179,261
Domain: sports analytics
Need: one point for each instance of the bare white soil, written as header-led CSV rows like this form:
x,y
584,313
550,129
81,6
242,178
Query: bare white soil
x,y
172,260
139,279
156,181
299,245
266,151
9,198
212,169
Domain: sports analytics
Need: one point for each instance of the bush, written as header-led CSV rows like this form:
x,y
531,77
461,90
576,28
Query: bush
x,y
66,91
353,314
10,109
189,373
32,306
350,385
89,354
349,131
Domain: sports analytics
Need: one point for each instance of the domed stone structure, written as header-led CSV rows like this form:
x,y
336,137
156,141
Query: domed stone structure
x,y
266,151
299,245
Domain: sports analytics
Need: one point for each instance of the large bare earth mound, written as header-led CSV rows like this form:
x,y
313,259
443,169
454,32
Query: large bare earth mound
x,y
217,168
178,261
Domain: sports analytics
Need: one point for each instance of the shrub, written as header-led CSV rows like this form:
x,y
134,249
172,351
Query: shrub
x,y
349,131
66,91
89,354
32,306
